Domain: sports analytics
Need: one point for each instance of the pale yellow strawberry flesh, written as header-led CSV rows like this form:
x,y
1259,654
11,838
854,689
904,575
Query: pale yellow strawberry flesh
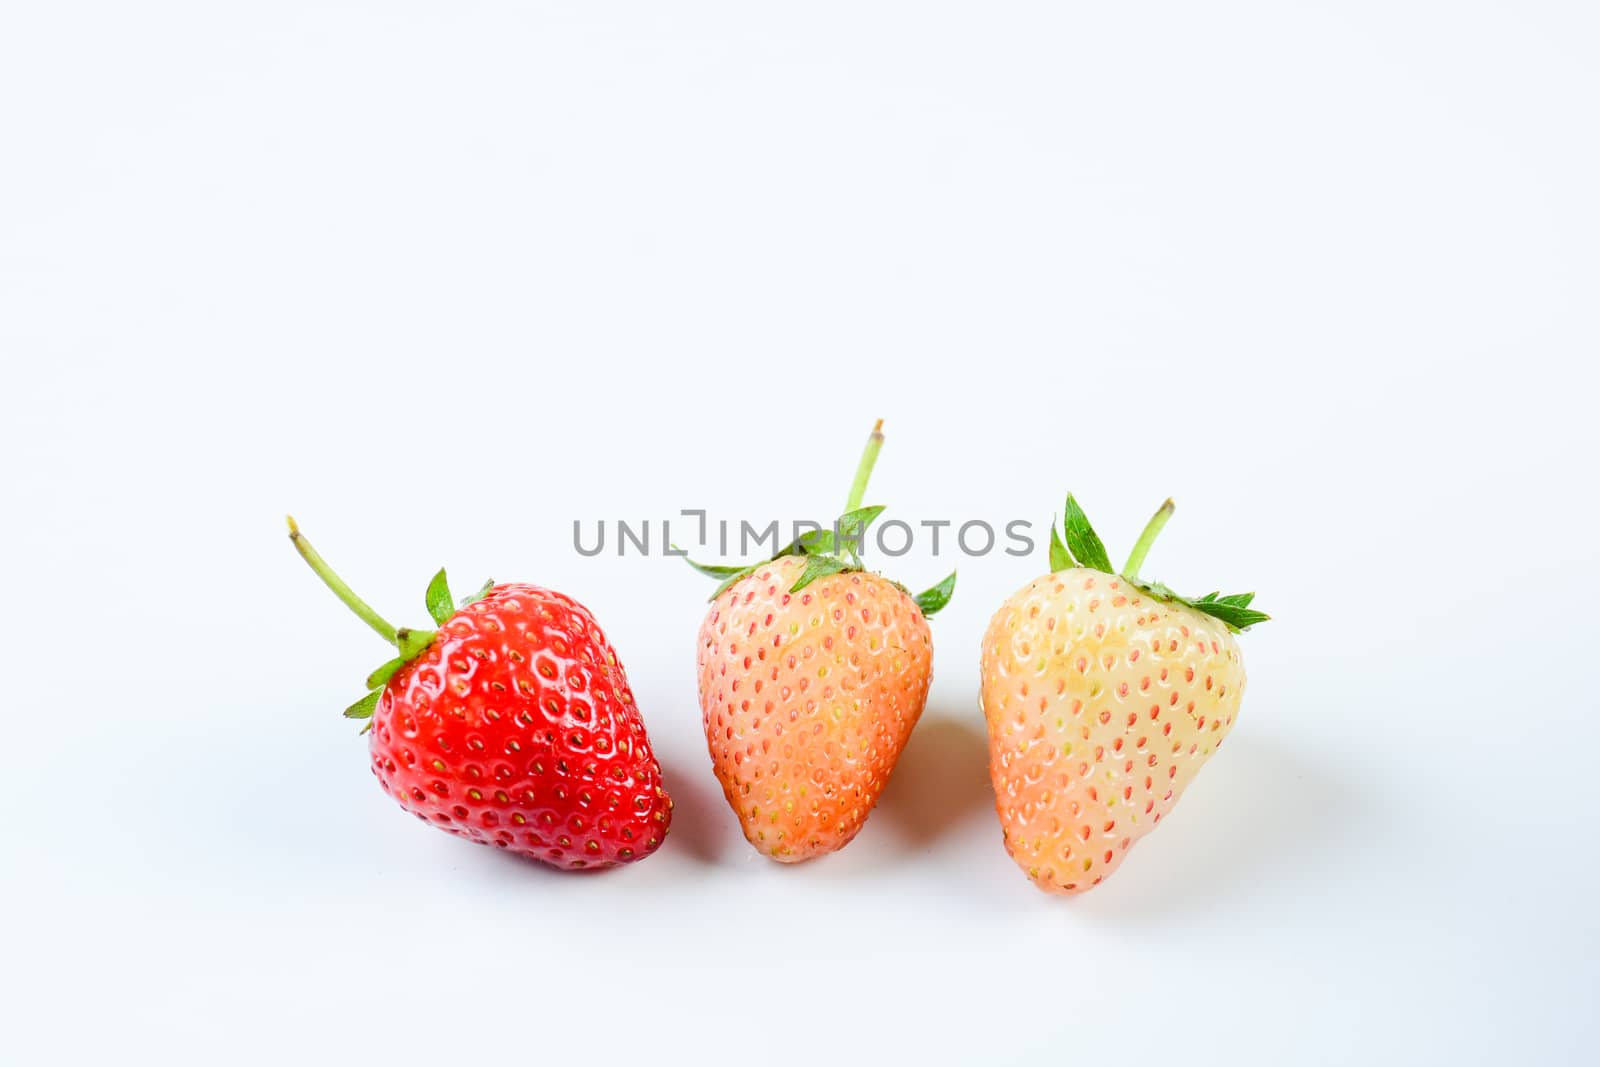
x,y
1102,703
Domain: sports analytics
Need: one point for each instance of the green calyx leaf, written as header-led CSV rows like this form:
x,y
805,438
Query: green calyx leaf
x,y
1083,548
817,546
412,642
845,537
481,592
1233,611
852,527
931,601
1236,618
820,567
441,605
363,708
1060,558
725,574
1237,600
718,571
836,550
1084,544
408,643
732,579
380,677
810,543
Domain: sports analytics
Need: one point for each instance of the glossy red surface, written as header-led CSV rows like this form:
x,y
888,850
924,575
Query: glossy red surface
x,y
516,728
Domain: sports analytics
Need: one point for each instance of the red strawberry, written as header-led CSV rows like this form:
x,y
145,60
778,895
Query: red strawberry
x,y
812,675
511,725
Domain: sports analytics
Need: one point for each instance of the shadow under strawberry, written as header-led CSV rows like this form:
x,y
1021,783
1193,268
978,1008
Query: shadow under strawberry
x,y
702,827
941,781
1277,808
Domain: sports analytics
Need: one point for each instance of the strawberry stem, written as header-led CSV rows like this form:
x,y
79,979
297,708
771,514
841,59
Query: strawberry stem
x,y
1141,547
341,590
869,457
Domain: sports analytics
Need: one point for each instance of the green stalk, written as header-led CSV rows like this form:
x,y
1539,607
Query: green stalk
x,y
869,457
340,589
1141,547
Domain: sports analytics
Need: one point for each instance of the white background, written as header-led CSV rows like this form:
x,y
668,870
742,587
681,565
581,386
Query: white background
x,y
440,278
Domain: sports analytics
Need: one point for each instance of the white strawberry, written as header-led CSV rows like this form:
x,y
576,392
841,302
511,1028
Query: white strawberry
x,y
1103,694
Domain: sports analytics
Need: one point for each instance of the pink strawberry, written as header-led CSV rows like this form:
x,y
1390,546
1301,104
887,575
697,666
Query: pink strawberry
x,y
812,674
